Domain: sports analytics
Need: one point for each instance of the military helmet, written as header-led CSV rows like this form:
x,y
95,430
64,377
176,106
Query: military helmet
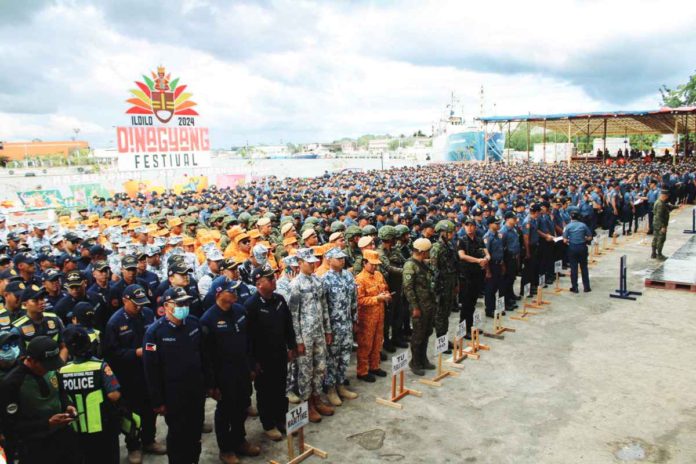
x,y
387,233
244,217
338,226
444,226
352,231
401,229
369,230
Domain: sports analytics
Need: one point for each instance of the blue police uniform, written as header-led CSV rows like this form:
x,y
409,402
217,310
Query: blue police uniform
x,y
226,343
109,302
530,270
121,337
575,233
176,373
494,245
196,306
512,249
546,248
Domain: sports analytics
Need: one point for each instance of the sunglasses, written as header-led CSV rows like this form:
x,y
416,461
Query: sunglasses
x,y
244,242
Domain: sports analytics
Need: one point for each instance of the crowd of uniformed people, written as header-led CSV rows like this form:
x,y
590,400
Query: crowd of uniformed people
x,y
132,308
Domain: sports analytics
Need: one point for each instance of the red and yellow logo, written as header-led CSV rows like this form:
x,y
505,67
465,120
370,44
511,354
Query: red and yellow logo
x,y
162,97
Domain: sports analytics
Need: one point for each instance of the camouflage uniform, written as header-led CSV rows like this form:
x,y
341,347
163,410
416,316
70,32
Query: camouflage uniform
x,y
342,302
310,318
283,289
660,220
392,267
443,261
418,290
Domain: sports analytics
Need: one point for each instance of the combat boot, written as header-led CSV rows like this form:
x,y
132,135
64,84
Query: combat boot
x,y
416,362
654,254
293,398
345,393
321,407
427,365
314,416
333,398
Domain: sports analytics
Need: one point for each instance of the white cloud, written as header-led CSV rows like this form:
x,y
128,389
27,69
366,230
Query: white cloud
x,y
304,71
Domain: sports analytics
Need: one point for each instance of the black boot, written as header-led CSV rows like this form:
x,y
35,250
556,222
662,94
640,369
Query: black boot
x,y
427,365
654,254
415,363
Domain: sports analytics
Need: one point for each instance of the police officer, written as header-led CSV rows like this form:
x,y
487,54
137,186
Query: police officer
x,y
576,235
512,248
176,369
495,271
444,263
273,345
83,317
37,416
37,322
530,236
12,310
92,387
418,290
474,256
9,357
77,291
179,277
225,340
123,350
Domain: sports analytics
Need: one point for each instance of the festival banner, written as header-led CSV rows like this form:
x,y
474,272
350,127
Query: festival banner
x,y
41,199
163,130
229,180
82,193
190,184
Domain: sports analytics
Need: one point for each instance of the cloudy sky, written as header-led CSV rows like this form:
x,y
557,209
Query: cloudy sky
x,y
301,71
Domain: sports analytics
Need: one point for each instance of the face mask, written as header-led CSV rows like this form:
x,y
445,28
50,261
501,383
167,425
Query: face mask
x,y
180,312
9,355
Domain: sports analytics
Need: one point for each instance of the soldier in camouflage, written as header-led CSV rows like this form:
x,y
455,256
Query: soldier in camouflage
x,y
292,267
392,265
341,299
660,223
444,264
418,290
310,317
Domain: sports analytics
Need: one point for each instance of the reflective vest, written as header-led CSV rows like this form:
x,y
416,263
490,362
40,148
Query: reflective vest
x,y
82,382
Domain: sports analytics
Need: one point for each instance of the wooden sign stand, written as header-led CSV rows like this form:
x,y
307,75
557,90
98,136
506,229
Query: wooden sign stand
x,y
441,374
397,395
524,314
475,345
539,301
557,288
498,328
303,449
458,354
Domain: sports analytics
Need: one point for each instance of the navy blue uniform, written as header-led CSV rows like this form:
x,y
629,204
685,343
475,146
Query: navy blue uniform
x,y
226,343
196,306
151,282
511,253
121,337
272,335
575,233
109,303
530,270
176,374
494,245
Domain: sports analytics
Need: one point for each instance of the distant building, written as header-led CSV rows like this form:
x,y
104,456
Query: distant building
x,y
18,151
348,147
378,145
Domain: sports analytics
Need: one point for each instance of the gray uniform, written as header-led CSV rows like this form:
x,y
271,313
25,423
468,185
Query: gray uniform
x,y
310,318
342,300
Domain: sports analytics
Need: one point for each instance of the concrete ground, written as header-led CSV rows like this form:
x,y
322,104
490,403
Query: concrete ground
x,y
593,380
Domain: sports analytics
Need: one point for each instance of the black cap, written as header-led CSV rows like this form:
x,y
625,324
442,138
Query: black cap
x,y
10,274
33,292
16,286
100,266
509,215
469,220
62,258
73,279
7,336
83,311
228,286
178,268
494,220
24,258
129,262
52,275
72,237
98,250
136,294
229,263
176,294
14,236
46,351
664,192
535,208
4,259
76,340
262,271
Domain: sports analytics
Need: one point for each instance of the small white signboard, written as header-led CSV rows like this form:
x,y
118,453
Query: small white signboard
x,y
461,329
441,344
297,418
558,266
400,361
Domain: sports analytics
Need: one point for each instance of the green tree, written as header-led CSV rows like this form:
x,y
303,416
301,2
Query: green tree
x,y
682,95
